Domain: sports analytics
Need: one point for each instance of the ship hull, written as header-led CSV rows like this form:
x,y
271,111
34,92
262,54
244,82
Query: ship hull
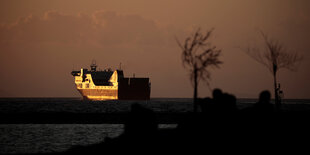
x,y
108,94
99,94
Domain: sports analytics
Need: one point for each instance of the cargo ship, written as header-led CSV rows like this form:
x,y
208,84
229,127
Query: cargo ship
x,y
110,85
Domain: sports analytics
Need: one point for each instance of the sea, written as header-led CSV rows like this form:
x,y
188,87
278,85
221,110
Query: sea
x,y
50,138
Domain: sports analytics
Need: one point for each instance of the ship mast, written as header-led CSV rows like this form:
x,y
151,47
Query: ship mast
x,y
93,66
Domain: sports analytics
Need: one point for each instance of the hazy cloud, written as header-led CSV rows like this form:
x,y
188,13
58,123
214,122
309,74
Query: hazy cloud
x,y
101,27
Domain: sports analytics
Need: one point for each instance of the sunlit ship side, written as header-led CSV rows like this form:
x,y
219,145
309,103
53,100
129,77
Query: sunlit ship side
x,y
110,85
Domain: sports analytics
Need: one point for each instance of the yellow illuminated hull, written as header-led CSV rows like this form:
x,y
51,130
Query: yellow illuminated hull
x,y
102,97
99,94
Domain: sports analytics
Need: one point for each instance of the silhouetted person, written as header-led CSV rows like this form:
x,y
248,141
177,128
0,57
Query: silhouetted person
x,y
228,103
217,95
264,105
140,128
220,103
259,120
141,122
213,105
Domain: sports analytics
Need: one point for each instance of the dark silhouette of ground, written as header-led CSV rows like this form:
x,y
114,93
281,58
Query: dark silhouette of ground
x,y
219,127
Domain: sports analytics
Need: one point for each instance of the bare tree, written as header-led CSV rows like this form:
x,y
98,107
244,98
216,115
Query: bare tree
x,y
198,55
274,57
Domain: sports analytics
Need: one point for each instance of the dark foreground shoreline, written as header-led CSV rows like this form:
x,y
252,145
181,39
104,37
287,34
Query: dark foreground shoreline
x,y
195,132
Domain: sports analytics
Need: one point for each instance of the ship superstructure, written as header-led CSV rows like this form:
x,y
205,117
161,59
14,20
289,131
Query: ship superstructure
x,y
110,85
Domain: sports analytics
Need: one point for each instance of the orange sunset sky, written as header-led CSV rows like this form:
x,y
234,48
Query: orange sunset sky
x,y
42,41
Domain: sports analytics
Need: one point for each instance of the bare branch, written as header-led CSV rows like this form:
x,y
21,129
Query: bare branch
x,y
198,55
275,56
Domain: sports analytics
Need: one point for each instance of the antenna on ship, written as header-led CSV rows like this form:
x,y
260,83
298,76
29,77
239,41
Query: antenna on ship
x,y
93,65
120,66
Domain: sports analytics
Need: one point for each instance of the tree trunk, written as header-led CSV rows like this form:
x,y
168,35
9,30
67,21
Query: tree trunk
x,y
195,90
276,95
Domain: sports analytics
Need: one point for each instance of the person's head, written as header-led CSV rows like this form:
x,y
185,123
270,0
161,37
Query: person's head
x,y
264,96
217,93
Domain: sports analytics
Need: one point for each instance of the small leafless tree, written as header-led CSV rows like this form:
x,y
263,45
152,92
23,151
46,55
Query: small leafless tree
x,y
198,55
274,57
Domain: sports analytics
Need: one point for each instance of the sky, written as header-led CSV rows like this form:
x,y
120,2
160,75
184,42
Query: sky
x,y
42,41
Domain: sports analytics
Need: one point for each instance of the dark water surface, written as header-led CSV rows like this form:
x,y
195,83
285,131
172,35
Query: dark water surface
x,y
44,138
76,105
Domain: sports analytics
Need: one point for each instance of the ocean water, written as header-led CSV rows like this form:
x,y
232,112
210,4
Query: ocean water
x,y
46,138
76,105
